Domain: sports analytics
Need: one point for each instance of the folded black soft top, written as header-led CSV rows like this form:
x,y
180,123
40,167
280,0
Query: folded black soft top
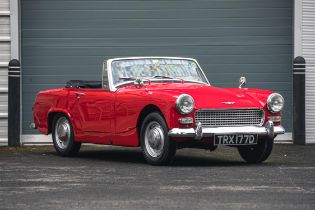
x,y
83,84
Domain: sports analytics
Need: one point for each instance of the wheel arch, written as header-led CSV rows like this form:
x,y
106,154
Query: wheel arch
x,y
144,112
52,114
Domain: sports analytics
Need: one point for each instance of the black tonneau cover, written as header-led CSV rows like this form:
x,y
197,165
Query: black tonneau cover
x,y
83,84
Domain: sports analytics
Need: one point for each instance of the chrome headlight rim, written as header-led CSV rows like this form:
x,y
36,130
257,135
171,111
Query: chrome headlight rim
x,y
269,102
179,100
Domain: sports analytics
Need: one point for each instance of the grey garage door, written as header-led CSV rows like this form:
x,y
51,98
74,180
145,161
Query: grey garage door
x,y
63,40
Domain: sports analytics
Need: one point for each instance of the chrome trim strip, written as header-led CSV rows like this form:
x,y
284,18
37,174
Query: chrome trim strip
x,y
278,129
103,74
110,76
158,80
113,88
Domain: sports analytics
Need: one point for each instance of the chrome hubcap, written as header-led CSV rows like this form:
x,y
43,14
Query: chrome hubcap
x,y
154,139
62,132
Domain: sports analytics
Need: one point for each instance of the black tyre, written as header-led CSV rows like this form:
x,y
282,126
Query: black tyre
x,y
63,136
257,153
157,147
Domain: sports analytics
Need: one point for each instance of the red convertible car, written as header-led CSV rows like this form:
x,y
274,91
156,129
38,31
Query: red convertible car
x,y
161,104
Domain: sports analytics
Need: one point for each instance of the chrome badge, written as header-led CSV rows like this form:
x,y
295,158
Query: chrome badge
x,y
228,102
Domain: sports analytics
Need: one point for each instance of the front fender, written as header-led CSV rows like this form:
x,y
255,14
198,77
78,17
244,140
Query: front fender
x,y
167,104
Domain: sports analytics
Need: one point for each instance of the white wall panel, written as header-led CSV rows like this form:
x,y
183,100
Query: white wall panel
x,y
5,54
308,52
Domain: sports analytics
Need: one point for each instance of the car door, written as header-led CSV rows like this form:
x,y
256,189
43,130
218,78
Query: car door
x,y
95,109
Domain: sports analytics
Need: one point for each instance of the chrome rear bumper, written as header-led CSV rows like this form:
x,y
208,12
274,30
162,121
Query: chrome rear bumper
x,y
199,132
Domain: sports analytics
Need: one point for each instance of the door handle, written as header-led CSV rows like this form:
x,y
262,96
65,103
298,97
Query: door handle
x,y
79,94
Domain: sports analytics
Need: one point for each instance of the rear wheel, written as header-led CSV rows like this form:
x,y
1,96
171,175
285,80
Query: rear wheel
x,y
63,137
158,148
257,153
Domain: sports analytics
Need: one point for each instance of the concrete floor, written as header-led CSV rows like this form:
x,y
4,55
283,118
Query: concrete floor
x,y
118,178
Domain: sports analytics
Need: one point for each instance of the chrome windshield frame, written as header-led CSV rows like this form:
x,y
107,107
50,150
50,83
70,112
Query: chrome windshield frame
x,y
114,87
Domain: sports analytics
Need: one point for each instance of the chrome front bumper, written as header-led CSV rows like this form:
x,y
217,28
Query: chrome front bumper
x,y
199,132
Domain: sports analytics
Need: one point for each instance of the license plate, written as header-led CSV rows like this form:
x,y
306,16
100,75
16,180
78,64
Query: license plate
x,y
239,139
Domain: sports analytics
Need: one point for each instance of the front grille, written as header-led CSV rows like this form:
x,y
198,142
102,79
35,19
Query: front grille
x,y
229,117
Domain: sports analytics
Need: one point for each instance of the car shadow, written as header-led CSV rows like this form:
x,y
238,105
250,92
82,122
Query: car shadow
x,y
134,156
181,160
113,155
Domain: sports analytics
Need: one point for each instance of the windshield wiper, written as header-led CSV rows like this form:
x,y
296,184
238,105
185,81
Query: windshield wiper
x,y
128,78
167,77
164,77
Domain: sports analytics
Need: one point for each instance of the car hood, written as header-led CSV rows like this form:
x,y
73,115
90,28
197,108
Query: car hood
x,y
211,97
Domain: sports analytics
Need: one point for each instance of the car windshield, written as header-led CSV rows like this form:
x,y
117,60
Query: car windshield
x,y
154,69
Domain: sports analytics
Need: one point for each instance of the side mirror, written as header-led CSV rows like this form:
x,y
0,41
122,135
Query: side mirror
x,y
242,82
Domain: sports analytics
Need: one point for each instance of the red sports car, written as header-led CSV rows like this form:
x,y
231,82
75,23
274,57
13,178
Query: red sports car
x,y
161,104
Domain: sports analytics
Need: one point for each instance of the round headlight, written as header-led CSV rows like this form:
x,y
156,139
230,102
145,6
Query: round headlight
x,y
275,102
185,104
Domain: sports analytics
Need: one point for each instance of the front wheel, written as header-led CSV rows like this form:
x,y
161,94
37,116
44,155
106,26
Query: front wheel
x,y
158,148
257,153
63,136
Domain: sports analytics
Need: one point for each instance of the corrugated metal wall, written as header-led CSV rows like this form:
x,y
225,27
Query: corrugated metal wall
x,y
63,40
4,59
308,51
